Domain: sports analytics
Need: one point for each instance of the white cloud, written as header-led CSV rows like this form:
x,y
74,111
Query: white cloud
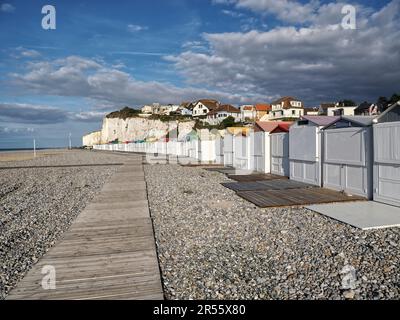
x,y
88,116
293,11
21,52
16,130
233,14
136,28
226,2
286,10
80,77
40,114
6,7
318,62
28,113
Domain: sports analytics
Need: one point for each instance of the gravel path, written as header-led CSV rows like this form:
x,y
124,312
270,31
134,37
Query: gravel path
x,y
214,245
37,205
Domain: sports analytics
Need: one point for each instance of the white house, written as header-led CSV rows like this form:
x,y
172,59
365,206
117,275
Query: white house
x,y
170,108
222,112
247,112
341,110
286,107
204,106
147,109
184,111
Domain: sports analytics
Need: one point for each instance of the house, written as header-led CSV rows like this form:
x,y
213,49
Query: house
x,y
170,108
286,108
323,108
341,110
222,112
147,109
262,109
157,108
247,112
204,106
183,111
311,111
366,109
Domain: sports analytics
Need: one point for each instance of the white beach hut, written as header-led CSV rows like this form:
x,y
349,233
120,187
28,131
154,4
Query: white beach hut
x,y
305,148
264,131
348,155
386,181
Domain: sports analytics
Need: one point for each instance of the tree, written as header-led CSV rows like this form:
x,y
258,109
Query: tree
x,y
395,97
382,100
227,122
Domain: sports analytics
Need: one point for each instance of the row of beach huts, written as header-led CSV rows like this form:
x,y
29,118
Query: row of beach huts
x,y
359,155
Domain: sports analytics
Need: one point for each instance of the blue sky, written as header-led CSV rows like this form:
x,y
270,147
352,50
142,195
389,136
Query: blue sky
x,y
104,55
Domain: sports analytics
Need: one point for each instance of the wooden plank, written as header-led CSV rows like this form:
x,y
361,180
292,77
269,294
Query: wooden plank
x,y
109,251
276,184
255,177
295,197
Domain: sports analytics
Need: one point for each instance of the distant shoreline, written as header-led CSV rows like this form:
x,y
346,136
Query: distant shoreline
x,y
29,149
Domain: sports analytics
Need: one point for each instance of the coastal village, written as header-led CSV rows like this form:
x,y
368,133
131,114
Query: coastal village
x,y
212,114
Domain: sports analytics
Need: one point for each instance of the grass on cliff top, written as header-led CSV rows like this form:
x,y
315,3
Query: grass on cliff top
x,y
124,113
127,112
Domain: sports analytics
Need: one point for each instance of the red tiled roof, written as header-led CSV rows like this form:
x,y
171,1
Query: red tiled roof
x,y
226,108
273,126
286,102
209,103
263,107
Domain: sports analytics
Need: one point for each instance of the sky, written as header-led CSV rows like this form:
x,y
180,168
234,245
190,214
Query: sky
x,y
104,55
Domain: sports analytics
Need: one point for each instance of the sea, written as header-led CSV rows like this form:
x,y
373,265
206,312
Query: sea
x,y
28,149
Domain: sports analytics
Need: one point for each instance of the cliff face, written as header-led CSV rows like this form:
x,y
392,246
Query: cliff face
x,y
140,128
91,139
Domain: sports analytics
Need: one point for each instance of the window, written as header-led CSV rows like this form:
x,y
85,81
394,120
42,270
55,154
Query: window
x,y
293,112
204,111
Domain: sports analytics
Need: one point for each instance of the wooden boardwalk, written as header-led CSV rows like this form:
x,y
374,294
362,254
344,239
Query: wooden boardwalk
x,y
109,252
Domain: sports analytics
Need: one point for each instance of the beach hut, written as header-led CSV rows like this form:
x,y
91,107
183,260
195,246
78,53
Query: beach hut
x,y
243,144
305,148
348,155
229,144
237,148
261,151
206,146
219,147
386,132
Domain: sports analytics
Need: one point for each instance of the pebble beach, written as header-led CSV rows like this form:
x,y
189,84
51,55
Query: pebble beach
x,y
214,245
211,244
